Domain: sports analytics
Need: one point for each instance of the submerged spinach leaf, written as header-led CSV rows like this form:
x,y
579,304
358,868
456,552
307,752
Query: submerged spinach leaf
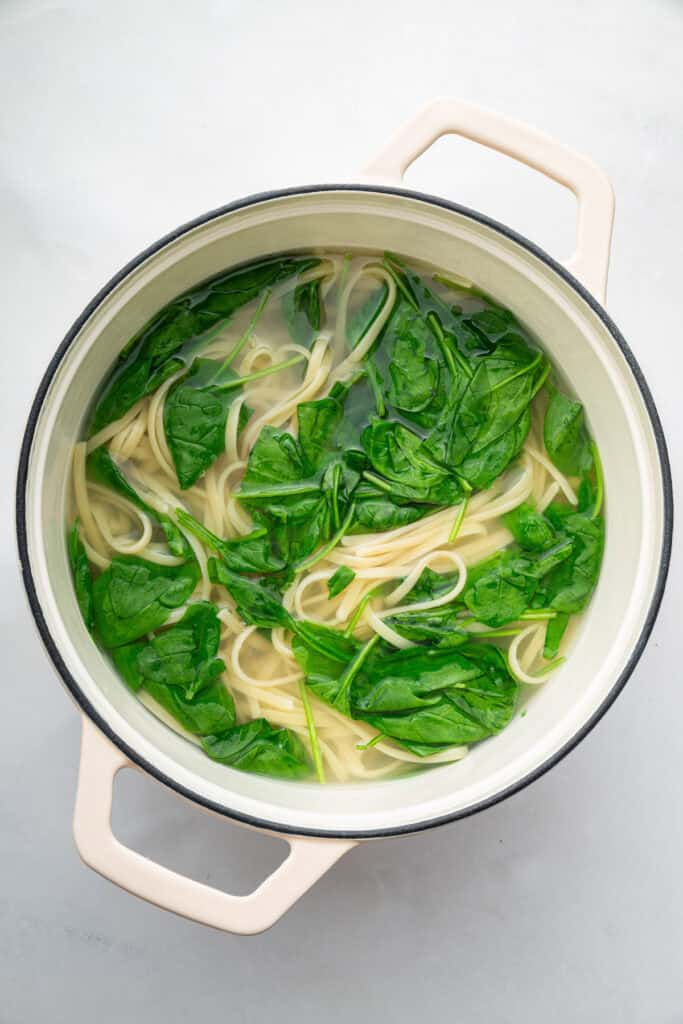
x,y
103,469
565,435
182,656
304,312
211,710
262,748
416,372
554,633
154,354
82,577
133,596
195,415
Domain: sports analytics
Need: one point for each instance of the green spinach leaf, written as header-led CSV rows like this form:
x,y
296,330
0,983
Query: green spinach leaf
x,y
503,588
154,354
565,435
339,580
102,469
304,312
531,530
82,576
134,596
252,554
256,604
182,656
262,748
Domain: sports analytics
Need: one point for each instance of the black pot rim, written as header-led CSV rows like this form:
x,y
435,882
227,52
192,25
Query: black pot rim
x,y
274,826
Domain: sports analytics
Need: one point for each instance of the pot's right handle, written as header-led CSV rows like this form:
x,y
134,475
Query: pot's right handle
x,y
589,184
308,859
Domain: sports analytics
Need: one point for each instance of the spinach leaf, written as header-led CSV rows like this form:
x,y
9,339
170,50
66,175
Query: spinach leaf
x,y
459,342
362,319
262,748
195,414
398,455
133,596
568,587
256,604
376,510
323,654
565,435
440,627
413,365
319,423
82,577
276,468
252,554
438,699
303,312
500,589
339,580
182,656
531,530
412,678
483,467
424,699
154,354
211,711
102,469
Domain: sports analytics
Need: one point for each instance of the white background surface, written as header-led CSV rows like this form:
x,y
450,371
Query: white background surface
x,y
119,121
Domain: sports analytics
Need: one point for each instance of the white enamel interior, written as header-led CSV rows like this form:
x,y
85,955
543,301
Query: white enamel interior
x,y
577,341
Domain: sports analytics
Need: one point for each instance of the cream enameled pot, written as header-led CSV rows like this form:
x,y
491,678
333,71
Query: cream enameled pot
x,y
562,308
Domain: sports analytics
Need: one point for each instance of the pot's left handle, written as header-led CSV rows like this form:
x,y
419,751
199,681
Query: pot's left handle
x,y
308,859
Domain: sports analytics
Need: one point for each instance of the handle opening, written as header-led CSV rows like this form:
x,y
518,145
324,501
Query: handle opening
x,y
483,179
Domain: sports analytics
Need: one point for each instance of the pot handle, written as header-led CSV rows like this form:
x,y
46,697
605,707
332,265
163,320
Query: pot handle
x,y
593,191
307,861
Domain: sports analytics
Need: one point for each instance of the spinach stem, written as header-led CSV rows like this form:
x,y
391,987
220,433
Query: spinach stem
x,y
371,743
455,529
376,388
259,374
451,355
599,481
335,495
341,701
312,732
200,532
527,368
461,285
332,543
248,332
550,667
360,608
278,491
398,281
381,484
537,614
493,633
